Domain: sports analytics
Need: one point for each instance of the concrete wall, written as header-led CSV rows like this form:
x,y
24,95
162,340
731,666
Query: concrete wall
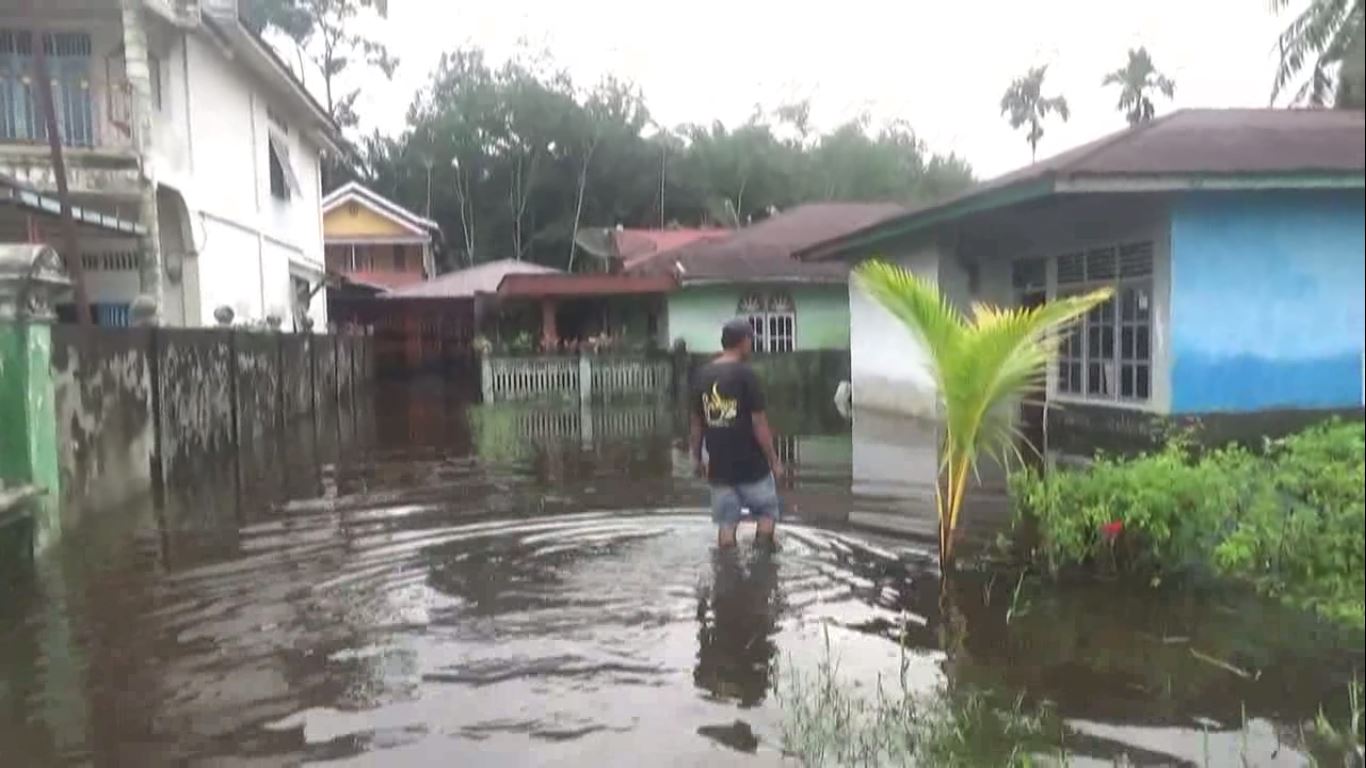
x,y
696,313
135,402
103,395
1267,301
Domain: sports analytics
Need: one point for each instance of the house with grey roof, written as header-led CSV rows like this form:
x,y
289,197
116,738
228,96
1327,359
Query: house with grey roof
x,y
1233,240
793,305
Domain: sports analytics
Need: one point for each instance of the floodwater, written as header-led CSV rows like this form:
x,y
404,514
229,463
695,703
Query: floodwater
x,y
418,582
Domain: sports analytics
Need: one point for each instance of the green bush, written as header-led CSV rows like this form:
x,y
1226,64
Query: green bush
x,y
1288,519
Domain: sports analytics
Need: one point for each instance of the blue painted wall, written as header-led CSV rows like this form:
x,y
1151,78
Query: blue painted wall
x,y
1266,300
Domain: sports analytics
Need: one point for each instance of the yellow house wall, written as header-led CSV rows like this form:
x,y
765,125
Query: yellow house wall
x,y
348,220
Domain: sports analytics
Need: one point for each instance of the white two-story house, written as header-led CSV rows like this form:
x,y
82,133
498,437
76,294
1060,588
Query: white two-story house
x,y
192,155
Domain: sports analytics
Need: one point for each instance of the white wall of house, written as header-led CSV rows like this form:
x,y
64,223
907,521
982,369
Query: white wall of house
x,y
211,143
888,364
212,115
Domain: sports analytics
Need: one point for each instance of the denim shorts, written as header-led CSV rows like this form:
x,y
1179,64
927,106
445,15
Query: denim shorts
x,y
760,497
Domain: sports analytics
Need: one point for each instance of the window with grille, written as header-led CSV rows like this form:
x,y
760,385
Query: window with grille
x,y
1108,354
110,261
68,64
773,317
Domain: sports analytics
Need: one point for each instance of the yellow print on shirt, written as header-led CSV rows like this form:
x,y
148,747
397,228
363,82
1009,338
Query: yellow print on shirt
x,y
719,410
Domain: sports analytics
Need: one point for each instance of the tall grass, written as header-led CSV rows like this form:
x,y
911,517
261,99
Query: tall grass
x,y
828,721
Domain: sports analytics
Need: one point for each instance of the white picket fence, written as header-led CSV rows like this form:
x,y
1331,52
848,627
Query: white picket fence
x,y
604,423
506,379
529,378
625,376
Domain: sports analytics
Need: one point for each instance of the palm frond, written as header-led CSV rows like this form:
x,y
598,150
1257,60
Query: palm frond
x,y
1056,104
1310,35
981,366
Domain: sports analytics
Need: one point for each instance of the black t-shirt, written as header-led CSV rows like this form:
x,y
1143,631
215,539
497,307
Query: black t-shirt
x,y
726,395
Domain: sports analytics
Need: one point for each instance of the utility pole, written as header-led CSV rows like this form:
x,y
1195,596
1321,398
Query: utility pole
x,y
71,248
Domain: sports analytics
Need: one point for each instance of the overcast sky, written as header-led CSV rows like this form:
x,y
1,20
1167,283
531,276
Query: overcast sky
x,y
941,65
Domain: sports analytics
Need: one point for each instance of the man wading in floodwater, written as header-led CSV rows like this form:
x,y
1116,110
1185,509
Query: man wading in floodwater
x,y
728,417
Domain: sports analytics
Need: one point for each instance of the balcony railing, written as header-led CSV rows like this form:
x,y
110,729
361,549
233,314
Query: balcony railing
x,y
21,116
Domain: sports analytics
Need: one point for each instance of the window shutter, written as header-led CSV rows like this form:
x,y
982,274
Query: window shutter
x,y
1071,269
1100,264
280,148
1136,259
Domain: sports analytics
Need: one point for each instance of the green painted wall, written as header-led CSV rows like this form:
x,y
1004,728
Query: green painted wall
x,y
695,314
28,422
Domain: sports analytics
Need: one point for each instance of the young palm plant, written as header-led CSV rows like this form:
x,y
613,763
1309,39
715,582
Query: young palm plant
x,y
981,366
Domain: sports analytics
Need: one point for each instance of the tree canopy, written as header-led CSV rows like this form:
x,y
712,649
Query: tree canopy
x,y
1328,38
1025,105
1137,79
327,32
513,159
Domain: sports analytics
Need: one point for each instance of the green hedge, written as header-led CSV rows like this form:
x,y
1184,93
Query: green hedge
x,y
1288,518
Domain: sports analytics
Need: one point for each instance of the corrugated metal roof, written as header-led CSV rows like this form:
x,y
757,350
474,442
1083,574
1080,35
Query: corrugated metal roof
x,y
1295,146
465,283
1240,141
539,286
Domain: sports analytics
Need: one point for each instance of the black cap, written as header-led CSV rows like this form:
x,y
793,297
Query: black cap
x,y
735,331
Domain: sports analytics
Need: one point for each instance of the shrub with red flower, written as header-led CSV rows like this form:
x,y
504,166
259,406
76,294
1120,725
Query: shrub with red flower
x,y
1111,530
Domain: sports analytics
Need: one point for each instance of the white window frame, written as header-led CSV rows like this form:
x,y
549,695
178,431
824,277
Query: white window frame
x,y
773,316
1104,265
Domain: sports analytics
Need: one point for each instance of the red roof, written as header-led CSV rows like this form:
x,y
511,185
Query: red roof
x,y
634,245
764,251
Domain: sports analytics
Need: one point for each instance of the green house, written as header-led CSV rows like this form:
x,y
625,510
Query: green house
x,y
793,305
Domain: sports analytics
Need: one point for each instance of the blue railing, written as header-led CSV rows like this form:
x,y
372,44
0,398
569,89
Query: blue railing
x,y
111,315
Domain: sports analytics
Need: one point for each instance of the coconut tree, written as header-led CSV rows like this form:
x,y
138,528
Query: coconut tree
x,y
1025,104
981,364
1328,37
1136,81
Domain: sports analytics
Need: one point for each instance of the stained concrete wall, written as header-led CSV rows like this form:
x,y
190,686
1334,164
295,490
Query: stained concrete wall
x,y
137,405
103,395
258,390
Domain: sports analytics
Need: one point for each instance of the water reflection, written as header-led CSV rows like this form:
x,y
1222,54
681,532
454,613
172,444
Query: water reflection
x,y
737,619
415,581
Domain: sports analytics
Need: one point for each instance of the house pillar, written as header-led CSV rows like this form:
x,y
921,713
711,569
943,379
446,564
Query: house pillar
x,y
150,276
550,335
30,276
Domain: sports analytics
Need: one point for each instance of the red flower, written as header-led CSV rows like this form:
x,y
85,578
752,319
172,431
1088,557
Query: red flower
x,y
1112,530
